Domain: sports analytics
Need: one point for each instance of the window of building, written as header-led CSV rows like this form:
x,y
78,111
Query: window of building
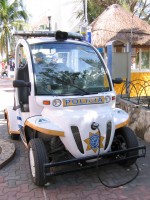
x,y
140,59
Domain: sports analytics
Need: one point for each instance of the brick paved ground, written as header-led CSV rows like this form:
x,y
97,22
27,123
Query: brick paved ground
x,y
16,183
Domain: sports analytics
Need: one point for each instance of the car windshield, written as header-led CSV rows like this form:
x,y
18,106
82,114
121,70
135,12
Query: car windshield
x,y
68,69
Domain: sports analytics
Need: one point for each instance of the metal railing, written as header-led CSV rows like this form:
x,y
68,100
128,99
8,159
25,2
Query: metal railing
x,y
137,92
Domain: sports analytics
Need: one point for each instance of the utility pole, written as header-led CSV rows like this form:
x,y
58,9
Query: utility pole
x,y
85,12
85,22
49,21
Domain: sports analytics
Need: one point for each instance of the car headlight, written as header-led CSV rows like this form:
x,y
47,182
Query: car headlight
x,y
107,99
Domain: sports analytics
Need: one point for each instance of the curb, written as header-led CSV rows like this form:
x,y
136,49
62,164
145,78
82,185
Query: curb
x,y
7,152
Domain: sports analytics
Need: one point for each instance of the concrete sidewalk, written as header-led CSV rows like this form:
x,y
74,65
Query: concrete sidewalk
x,y
6,93
7,149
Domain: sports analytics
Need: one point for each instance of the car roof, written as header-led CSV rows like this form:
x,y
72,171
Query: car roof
x,y
52,40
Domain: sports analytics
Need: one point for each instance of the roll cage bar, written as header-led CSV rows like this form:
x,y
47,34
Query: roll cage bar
x,y
59,35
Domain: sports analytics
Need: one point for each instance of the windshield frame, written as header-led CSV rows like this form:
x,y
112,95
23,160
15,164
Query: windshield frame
x,y
81,91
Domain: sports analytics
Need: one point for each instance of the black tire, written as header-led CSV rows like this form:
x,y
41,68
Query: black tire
x,y
125,138
5,115
15,136
37,158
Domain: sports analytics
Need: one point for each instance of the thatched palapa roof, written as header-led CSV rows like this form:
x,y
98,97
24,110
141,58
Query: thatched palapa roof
x,y
115,23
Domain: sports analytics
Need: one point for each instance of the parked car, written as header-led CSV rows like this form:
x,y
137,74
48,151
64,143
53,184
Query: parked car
x,y
65,112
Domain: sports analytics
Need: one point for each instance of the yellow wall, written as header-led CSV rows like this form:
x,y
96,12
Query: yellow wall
x,y
137,79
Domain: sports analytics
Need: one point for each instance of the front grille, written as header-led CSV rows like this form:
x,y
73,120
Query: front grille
x,y
76,135
108,133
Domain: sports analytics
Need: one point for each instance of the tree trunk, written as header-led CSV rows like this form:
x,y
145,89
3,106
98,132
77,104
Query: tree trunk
x,y
7,56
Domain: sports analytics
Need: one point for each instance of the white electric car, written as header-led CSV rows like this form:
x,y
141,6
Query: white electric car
x,y
64,106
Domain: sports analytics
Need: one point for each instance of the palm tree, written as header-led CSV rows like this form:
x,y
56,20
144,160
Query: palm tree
x,y
12,16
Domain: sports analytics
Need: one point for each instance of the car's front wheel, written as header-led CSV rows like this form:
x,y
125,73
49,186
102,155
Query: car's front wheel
x,y
124,139
37,158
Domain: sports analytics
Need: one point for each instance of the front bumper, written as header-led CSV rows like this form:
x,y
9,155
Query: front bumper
x,y
101,160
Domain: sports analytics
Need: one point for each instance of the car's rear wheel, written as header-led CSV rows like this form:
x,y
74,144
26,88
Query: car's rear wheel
x,y
125,138
37,158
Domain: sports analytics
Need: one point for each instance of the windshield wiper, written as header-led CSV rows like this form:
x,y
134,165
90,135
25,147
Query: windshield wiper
x,y
71,84
79,88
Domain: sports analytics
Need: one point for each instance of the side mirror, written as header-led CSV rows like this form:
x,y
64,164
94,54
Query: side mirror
x,y
117,81
21,83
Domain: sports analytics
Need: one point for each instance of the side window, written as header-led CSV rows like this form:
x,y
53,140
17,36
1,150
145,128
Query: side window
x,y
22,65
22,73
22,57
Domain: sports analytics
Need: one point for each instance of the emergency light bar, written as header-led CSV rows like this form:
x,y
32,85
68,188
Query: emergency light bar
x,y
59,35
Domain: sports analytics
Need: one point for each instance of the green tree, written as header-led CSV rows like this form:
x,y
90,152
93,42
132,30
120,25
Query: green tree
x,y
12,17
142,10
138,7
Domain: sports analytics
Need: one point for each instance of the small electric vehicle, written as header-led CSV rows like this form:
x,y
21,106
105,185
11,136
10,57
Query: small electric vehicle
x,y
64,107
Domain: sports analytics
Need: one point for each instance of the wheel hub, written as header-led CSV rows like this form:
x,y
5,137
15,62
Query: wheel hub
x,y
32,162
